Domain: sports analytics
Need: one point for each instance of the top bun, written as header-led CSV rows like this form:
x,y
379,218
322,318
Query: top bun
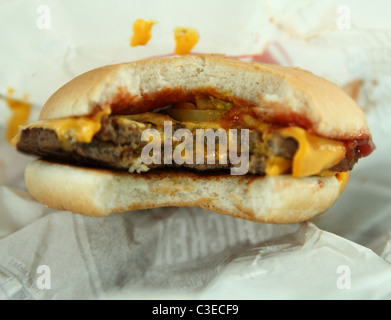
x,y
282,95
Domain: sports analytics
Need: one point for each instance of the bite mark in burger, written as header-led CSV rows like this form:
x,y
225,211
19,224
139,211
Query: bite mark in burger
x,y
305,136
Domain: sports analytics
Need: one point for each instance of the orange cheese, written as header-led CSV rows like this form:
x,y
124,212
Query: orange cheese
x,y
186,39
277,165
20,114
314,154
141,32
74,129
343,178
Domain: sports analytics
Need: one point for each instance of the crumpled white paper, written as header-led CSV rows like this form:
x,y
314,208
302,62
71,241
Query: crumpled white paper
x,y
179,253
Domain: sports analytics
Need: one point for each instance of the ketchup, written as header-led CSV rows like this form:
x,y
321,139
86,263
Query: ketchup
x,y
235,118
359,148
355,148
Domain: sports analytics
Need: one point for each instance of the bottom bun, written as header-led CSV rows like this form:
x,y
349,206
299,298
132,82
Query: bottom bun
x,y
99,192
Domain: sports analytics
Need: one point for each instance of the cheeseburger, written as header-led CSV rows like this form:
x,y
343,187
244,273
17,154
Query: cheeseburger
x,y
295,137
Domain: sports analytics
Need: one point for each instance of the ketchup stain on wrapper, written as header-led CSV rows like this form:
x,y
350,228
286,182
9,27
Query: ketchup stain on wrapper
x,y
20,109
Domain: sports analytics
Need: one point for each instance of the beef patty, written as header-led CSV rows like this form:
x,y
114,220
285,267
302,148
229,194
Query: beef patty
x,y
118,145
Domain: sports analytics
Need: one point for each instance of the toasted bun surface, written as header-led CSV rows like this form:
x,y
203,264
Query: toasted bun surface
x,y
279,94
99,192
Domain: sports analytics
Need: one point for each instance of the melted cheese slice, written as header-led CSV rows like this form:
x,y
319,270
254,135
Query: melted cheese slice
x,y
342,177
75,129
277,165
314,154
